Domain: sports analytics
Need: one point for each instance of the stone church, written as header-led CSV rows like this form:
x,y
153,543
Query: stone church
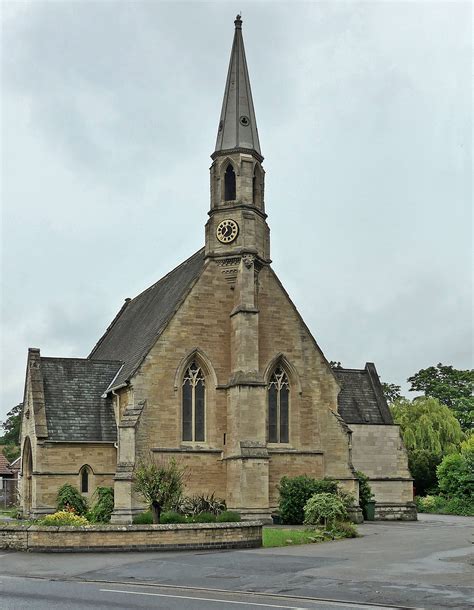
x,y
212,365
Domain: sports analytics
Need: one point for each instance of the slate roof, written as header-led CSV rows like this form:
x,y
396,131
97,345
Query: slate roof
x,y
237,125
75,409
361,399
141,320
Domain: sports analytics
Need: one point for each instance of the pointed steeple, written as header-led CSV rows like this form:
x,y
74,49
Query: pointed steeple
x,y
238,125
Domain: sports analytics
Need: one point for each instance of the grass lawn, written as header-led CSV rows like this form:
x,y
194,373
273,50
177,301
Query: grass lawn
x,y
8,512
282,537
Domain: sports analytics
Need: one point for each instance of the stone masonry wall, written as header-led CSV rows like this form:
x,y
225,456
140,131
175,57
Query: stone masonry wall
x,y
56,464
203,322
131,537
378,451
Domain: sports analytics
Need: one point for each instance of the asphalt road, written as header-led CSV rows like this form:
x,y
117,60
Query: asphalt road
x,y
427,564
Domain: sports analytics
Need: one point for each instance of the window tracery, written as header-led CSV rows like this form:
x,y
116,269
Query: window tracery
x,y
193,403
278,407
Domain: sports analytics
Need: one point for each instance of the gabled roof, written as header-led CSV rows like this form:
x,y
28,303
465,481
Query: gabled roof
x,y
5,470
75,409
237,125
141,320
361,399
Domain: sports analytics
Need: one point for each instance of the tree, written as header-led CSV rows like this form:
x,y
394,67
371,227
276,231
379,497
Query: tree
x,y
430,431
11,437
12,425
160,483
391,392
452,387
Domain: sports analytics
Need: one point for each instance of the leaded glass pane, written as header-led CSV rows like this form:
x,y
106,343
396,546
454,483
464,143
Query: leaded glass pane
x,y
272,415
284,395
187,411
84,481
199,412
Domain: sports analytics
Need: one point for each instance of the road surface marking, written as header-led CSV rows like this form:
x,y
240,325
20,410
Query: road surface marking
x,y
203,599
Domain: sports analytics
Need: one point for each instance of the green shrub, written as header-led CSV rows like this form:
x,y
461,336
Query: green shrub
x,y
430,504
365,491
444,506
324,509
346,498
344,529
63,517
296,491
193,505
144,518
422,465
172,517
455,477
228,516
203,518
103,507
69,497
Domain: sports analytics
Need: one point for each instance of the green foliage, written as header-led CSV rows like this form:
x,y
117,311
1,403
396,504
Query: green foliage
x,y
344,529
346,498
143,518
69,498
324,509
102,509
228,516
12,426
192,505
11,452
202,518
296,491
444,506
455,477
429,430
391,392
159,483
422,465
365,491
172,517
63,517
467,451
427,424
452,387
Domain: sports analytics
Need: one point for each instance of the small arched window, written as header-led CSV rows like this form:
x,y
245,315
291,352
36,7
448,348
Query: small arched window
x,y
194,403
84,479
278,407
229,183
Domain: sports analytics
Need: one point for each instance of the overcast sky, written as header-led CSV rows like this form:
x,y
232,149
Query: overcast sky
x,y
109,115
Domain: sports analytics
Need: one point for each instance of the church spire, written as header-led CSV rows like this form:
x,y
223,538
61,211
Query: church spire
x,y
238,125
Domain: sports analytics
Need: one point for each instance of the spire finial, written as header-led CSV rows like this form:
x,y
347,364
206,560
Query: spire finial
x,y
238,22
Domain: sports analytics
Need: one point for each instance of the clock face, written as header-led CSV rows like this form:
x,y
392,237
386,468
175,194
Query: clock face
x,y
227,231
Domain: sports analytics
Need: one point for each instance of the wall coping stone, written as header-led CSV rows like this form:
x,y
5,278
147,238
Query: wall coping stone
x,y
112,538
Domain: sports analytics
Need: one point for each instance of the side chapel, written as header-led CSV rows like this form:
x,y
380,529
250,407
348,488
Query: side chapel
x,y
213,365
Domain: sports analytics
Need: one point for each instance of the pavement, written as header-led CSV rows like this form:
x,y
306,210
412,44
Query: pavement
x,y
424,564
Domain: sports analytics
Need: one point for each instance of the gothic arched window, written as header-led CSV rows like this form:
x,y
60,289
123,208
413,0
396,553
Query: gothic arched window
x,y
84,479
278,407
229,183
194,403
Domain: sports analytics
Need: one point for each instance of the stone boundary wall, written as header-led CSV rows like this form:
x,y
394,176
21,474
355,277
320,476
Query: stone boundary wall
x,y
392,511
94,538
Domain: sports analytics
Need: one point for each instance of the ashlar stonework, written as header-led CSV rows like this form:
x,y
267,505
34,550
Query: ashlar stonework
x,y
212,365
